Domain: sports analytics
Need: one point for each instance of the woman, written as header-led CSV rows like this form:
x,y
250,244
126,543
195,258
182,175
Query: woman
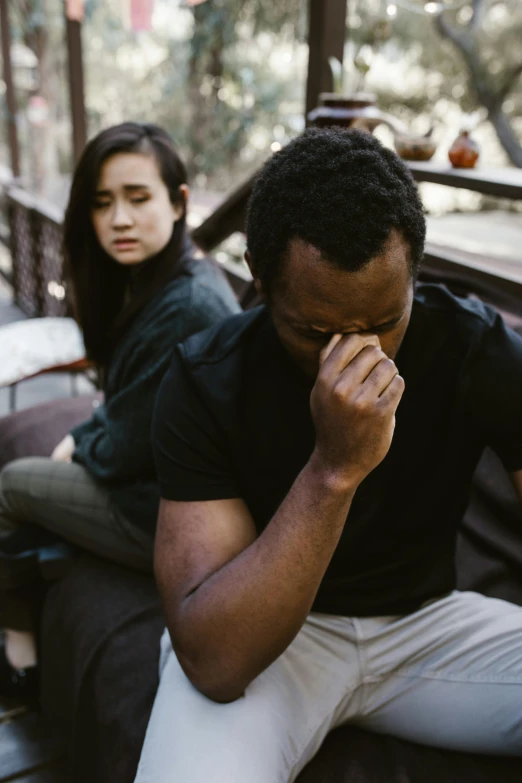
x,y
138,289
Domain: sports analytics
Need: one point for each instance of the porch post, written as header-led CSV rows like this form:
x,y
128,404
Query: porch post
x,y
73,31
326,36
12,134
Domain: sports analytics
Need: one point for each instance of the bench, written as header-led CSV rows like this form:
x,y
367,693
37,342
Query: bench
x,y
100,633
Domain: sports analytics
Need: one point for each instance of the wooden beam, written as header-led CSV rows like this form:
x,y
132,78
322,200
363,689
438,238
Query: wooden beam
x,y
445,265
502,183
226,219
12,135
27,744
73,32
326,36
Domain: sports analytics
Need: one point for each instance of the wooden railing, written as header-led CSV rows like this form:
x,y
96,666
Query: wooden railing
x,y
6,179
440,264
35,237
230,214
32,231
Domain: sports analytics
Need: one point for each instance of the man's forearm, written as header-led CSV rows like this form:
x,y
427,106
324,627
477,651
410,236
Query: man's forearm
x,y
241,618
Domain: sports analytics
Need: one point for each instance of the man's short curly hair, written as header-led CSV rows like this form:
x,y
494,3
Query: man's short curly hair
x,y
338,190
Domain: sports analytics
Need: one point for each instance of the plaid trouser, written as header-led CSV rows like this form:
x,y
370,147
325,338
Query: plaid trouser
x,y
64,499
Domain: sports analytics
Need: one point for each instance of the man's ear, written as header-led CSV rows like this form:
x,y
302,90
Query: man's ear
x,y
257,281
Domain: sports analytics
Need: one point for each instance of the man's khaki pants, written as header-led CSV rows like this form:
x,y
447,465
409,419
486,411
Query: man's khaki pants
x,y
448,675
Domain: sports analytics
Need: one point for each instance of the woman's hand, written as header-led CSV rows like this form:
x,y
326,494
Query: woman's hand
x,y
64,450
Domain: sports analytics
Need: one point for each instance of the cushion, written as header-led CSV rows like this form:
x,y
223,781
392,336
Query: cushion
x,y
38,344
36,431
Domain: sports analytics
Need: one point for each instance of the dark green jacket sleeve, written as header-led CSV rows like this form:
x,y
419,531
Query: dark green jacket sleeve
x,y
114,445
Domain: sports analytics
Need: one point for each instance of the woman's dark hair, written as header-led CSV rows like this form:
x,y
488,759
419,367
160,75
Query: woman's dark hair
x,y
338,190
98,282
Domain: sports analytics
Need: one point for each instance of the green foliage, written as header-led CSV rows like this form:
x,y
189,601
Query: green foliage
x,y
208,77
227,77
491,59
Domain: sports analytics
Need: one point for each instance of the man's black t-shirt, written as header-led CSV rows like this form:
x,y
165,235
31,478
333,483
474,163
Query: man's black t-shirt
x,y
233,420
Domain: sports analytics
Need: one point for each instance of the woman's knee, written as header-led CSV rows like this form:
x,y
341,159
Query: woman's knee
x,y
17,483
9,486
13,476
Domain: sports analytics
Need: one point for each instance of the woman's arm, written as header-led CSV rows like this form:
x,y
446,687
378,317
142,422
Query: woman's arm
x,y
115,444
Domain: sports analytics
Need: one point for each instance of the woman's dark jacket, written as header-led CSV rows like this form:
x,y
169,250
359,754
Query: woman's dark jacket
x,y
114,445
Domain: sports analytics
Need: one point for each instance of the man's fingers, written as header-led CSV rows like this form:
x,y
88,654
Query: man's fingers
x,y
327,350
342,349
369,361
393,393
375,374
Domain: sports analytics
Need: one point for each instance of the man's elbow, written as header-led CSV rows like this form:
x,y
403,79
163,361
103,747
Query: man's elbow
x,y
220,692
212,681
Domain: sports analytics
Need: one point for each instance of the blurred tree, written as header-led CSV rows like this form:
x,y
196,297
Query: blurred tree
x,y
227,77
38,25
474,60
489,44
220,76
228,98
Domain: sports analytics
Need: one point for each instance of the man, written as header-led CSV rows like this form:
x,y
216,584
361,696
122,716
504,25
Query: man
x,y
314,458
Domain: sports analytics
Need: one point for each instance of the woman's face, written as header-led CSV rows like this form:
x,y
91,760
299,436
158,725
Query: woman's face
x,y
132,214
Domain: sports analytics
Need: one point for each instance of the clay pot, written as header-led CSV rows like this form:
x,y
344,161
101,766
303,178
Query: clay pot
x,y
464,152
357,110
409,147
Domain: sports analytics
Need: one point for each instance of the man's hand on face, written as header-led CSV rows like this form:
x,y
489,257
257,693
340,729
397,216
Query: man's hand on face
x,y
353,406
